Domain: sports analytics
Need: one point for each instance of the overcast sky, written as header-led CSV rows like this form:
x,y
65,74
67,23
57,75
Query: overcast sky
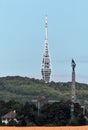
x,y
22,35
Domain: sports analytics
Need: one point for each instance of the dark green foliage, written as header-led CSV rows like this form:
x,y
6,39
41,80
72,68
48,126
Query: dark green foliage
x,y
81,120
77,109
56,114
12,123
27,114
73,122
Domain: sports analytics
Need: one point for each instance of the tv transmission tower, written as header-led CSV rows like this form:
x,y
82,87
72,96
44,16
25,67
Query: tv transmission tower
x,y
46,70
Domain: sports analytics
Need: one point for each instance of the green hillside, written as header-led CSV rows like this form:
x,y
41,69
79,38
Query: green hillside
x,y
26,89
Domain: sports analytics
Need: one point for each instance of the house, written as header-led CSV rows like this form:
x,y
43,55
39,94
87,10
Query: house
x,y
9,116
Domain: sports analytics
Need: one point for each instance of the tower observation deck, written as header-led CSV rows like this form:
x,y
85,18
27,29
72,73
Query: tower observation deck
x,y
46,70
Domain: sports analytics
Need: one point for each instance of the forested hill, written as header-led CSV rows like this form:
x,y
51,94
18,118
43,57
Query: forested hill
x,y
26,89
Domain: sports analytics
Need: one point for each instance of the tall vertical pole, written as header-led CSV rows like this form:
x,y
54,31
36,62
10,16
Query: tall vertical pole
x,y
73,95
38,107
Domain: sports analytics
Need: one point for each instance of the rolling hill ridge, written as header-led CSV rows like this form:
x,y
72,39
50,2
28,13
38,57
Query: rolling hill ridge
x,y
26,89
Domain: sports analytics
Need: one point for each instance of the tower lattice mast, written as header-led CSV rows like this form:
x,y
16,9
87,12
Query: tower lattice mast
x,y
46,70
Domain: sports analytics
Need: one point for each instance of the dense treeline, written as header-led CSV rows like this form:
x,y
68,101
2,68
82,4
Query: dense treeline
x,y
25,89
54,114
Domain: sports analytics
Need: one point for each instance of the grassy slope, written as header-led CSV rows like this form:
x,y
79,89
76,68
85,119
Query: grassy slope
x,y
25,89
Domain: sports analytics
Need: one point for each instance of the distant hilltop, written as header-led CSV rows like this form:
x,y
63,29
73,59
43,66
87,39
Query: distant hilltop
x,y
27,89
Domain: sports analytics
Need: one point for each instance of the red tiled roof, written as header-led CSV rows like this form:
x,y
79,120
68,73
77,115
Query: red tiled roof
x,y
11,114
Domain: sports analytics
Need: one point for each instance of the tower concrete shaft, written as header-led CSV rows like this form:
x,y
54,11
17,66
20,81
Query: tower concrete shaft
x,y
73,87
46,70
73,82
73,95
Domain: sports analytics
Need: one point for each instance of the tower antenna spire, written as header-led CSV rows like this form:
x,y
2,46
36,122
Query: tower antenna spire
x,y
46,27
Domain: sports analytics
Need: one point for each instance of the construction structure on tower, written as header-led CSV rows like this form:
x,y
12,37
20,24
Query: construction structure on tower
x,y
46,70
